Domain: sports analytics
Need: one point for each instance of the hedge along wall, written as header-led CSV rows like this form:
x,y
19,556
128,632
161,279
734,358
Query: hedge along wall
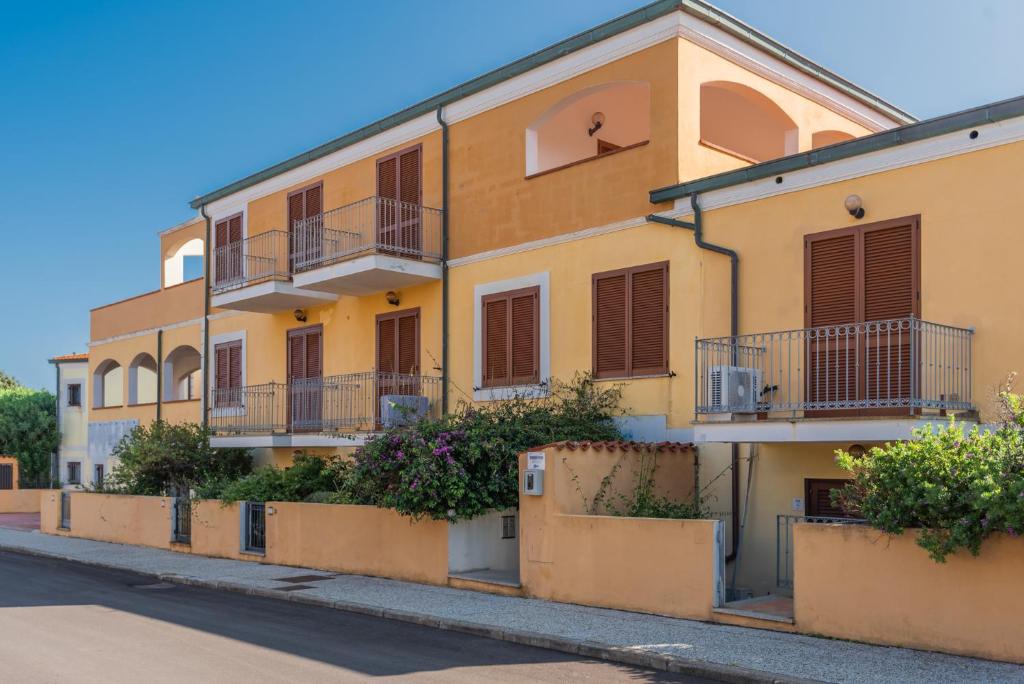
x,y
856,582
648,565
362,540
21,500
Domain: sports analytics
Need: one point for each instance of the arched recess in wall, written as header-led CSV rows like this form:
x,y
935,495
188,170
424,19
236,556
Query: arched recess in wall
x,y
738,120
108,384
825,138
181,374
142,380
183,262
566,132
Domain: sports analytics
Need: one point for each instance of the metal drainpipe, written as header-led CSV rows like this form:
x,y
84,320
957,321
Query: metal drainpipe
x,y
159,375
698,235
444,259
206,319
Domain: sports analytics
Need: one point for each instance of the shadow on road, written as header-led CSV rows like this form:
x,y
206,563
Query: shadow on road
x,y
364,644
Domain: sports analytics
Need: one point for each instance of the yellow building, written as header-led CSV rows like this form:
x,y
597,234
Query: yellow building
x,y
497,235
73,465
144,357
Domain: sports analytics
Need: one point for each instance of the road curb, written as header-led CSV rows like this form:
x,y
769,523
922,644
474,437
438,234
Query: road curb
x,y
731,674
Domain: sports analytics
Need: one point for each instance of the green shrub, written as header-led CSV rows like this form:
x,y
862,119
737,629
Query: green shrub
x,y
957,488
466,463
307,476
28,429
161,457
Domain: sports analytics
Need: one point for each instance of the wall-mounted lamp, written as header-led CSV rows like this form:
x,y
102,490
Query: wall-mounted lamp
x,y
855,205
300,315
392,298
597,118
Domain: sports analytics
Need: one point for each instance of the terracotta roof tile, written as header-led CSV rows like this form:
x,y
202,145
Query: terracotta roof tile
x,y
71,357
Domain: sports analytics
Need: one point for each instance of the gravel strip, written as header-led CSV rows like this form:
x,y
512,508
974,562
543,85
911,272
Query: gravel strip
x,y
723,652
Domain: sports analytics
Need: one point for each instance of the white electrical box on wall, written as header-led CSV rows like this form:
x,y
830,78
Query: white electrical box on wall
x,y
533,482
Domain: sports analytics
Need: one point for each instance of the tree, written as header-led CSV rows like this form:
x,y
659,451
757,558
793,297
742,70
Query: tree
x,y
8,382
161,457
28,429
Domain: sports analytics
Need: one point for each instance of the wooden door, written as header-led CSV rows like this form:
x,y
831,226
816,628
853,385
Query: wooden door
x,y
305,242
228,256
860,283
399,192
305,379
398,354
818,498
6,476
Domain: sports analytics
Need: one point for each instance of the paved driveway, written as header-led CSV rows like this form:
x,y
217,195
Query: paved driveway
x,y
20,521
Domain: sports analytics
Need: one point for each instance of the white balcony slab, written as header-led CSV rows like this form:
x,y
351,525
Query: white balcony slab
x,y
813,430
368,274
270,297
288,441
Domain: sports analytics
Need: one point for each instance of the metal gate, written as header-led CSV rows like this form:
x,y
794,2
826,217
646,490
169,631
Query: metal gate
x,y
784,542
182,532
65,510
254,537
6,476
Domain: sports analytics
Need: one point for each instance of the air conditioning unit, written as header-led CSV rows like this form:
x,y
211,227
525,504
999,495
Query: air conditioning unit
x,y
397,410
733,389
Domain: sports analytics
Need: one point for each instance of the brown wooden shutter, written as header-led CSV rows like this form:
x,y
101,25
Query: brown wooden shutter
x,y
296,209
408,344
609,320
409,176
648,320
495,341
511,338
387,177
630,322
525,337
387,355
235,365
305,359
818,495
227,373
889,265
831,279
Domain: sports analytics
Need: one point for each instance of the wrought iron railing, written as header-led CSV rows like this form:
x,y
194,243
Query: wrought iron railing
x,y
254,532
65,510
784,542
253,260
374,224
353,402
904,363
182,521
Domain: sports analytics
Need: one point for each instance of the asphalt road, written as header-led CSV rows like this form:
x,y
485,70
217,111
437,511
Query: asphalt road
x,y
64,622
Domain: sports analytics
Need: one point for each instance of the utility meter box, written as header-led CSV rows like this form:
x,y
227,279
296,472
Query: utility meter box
x,y
533,482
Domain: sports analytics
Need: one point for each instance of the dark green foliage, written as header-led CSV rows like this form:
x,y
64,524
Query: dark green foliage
x,y
28,429
956,488
466,463
162,458
308,476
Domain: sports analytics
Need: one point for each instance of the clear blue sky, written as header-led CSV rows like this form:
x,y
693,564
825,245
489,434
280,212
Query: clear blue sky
x,y
114,114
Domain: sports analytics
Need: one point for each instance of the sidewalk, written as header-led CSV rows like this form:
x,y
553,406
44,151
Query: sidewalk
x,y
716,651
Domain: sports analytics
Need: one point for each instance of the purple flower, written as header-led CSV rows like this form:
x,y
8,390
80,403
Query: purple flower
x,y
399,455
1012,532
984,521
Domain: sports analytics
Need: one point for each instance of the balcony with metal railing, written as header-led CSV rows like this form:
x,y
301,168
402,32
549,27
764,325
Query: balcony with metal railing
x,y
255,274
878,378
333,410
372,245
